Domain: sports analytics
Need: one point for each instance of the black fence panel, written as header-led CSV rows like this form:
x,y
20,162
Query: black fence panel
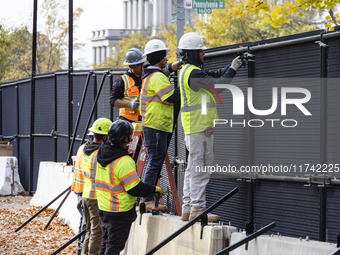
x,y
103,109
332,216
292,206
295,207
24,162
9,111
25,109
44,106
78,90
235,209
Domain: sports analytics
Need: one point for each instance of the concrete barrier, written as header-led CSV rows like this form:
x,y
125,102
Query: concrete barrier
x,y
281,245
9,177
56,177
155,229
53,179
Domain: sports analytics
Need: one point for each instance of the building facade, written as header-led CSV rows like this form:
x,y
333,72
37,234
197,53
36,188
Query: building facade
x,y
145,16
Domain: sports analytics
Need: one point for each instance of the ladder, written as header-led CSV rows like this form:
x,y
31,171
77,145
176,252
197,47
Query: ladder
x,y
137,136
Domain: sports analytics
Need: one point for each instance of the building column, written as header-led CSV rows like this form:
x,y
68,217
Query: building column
x,y
155,12
134,14
93,55
162,12
146,14
103,54
129,14
140,14
125,3
99,55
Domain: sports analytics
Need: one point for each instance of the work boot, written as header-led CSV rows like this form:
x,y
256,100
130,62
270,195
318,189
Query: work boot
x,y
185,216
211,217
149,205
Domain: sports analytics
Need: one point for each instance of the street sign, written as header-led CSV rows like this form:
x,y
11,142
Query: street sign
x,y
204,11
208,4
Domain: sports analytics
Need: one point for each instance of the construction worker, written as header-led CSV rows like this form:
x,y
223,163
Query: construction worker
x,y
117,186
92,240
157,100
125,89
198,127
77,186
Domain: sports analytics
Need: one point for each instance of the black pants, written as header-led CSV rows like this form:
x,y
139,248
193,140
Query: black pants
x,y
114,236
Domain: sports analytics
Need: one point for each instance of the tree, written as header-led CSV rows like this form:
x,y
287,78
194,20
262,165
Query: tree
x,y
169,35
116,60
4,46
279,14
51,43
56,32
239,23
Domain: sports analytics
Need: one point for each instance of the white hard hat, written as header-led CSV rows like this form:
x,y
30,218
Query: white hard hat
x,y
191,41
154,45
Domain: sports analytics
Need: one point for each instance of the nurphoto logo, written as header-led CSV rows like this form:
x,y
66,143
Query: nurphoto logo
x,y
238,99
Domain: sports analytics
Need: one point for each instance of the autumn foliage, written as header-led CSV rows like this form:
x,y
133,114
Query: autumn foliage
x,y
32,239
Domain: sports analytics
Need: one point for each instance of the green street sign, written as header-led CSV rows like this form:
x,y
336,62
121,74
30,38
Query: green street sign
x,y
208,4
204,10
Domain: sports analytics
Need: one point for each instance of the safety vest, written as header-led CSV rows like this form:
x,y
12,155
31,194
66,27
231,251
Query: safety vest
x,y
78,176
131,93
193,121
89,175
157,113
113,182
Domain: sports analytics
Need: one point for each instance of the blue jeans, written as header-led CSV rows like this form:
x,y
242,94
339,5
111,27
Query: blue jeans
x,y
156,144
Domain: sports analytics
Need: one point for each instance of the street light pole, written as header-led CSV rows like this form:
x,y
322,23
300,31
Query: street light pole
x,y
34,69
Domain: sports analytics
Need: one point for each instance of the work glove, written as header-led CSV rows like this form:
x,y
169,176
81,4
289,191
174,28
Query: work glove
x,y
159,191
237,62
133,104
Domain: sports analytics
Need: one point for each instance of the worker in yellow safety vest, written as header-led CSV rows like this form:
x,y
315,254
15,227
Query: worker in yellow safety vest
x,y
117,186
92,240
126,88
157,100
77,186
197,83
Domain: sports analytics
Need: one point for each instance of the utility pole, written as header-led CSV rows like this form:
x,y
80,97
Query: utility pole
x,y
70,70
180,21
34,69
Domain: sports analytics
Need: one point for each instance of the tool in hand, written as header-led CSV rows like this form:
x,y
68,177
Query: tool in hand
x,y
156,210
246,57
142,210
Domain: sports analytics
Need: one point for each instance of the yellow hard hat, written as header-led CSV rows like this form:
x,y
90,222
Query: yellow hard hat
x,y
100,126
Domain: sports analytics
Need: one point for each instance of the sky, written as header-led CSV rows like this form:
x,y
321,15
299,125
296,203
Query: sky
x,y
97,14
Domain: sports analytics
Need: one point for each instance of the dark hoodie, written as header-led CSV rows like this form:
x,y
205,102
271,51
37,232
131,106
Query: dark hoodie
x,y
148,70
209,77
107,153
90,147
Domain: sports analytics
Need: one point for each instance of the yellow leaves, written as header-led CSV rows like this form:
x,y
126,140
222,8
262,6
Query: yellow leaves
x,y
32,239
264,7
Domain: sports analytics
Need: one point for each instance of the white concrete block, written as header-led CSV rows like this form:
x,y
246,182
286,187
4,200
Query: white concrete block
x,y
155,229
9,177
281,245
53,179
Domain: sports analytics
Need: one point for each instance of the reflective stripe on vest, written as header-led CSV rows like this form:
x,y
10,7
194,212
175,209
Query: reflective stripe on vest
x,y
192,119
111,192
78,175
153,104
89,168
131,93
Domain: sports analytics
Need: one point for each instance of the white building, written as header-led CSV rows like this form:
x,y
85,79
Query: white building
x,y
139,15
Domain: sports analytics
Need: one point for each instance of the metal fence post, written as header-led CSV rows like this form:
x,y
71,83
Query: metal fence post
x,y
34,62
